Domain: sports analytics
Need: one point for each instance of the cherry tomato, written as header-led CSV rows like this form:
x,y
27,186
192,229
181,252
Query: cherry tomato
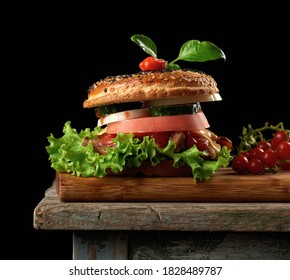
x,y
255,152
269,158
265,145
194,138
255,166
244,153
240,164
283,150
202,144
152,63
279,136
285,165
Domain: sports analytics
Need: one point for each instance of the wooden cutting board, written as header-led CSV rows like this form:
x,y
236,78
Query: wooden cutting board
x,y
224,186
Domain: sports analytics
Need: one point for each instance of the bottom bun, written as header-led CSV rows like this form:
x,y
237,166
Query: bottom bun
x,y
162,169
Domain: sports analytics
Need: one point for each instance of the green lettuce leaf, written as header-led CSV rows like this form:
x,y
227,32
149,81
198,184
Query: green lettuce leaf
x,y
67,154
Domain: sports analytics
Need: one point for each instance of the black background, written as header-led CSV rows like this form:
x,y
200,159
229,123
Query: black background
x,y
55,53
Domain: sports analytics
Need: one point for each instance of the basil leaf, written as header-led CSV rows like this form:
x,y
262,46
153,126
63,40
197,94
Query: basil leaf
x,y
145,43
196,51
192,51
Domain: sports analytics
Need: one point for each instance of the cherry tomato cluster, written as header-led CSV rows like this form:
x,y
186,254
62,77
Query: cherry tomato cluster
x,y
267,156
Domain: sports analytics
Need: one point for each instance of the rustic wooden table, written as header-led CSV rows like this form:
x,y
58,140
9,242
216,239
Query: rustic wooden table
x,y
169,230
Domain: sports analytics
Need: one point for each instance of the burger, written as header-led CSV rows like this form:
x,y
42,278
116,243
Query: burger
x,y
149,123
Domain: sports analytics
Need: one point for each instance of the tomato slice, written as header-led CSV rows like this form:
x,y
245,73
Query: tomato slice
x,y
162,123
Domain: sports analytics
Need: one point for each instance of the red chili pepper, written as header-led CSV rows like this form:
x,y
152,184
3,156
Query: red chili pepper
x,y
152,63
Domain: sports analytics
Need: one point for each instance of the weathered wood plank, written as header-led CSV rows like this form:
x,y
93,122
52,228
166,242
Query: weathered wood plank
x,y
175,245
101,245
52,214
224,186
209,246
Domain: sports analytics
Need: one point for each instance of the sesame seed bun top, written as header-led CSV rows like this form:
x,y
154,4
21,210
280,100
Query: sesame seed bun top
x,y
149,86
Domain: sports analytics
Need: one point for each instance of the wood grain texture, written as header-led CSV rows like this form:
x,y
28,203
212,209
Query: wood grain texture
x,y
224,186
52,214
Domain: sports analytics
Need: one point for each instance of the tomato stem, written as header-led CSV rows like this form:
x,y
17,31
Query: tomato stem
x,y
250,137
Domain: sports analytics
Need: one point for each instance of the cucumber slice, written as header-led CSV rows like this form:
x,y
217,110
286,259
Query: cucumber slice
x,y
174,110
118,107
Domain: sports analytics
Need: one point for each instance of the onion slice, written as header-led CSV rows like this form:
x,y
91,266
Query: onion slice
x,y
124,115
182,100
